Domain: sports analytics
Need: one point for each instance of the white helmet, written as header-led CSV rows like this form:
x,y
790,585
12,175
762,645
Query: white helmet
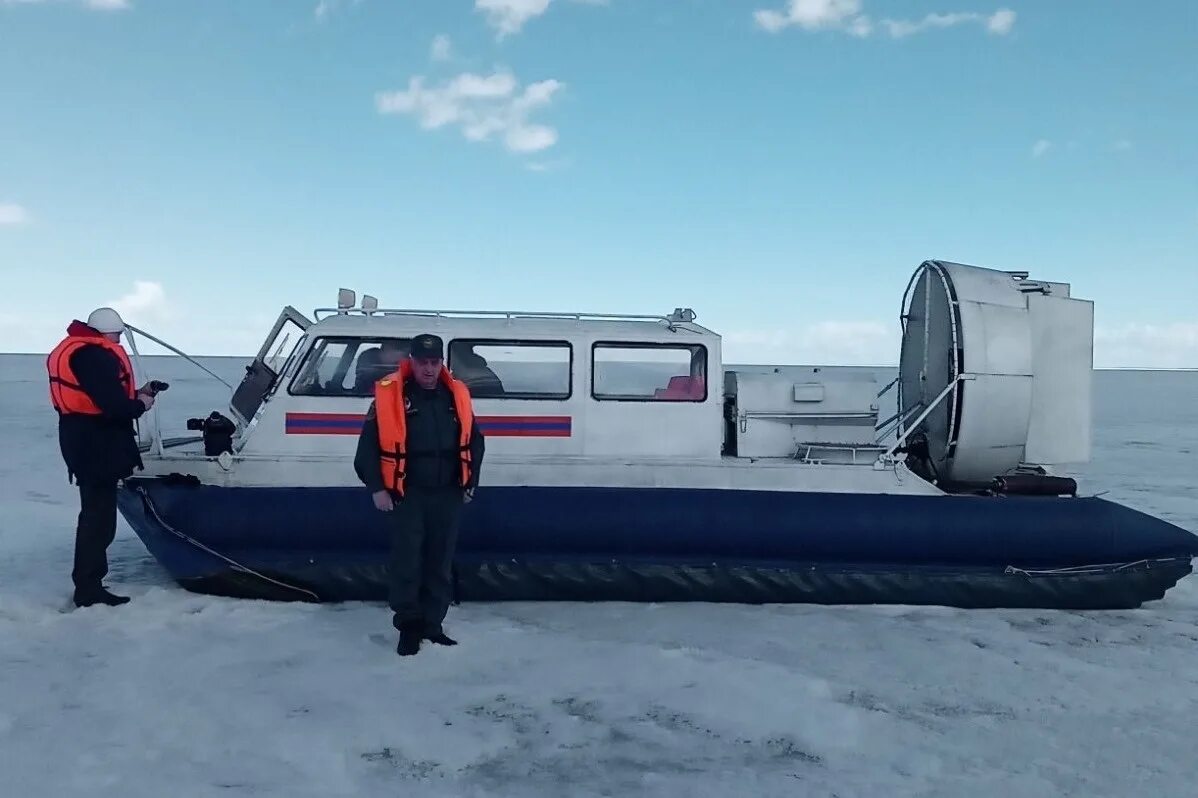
x,y
106,320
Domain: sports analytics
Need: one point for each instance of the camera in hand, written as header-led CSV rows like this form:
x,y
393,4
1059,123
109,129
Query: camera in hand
x,y
158,386
218,433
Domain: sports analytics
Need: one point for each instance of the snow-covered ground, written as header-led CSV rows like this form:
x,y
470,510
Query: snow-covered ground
x,y
184,695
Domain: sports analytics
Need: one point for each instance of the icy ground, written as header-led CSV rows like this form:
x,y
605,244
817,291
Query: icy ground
x,y
185,695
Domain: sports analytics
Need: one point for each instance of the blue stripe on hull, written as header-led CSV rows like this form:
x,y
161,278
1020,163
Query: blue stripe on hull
x,y
314,531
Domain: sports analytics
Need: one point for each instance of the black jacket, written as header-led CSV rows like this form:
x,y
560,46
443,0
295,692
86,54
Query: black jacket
x,y
433,433
100,448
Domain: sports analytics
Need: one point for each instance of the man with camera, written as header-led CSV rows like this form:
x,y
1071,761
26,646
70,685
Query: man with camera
x,y
91,388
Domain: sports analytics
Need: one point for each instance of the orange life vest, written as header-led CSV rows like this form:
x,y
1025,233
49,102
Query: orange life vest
x,y
393,425
66,395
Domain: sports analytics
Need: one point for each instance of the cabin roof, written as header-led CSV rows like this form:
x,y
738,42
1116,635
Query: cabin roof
x,y
516,326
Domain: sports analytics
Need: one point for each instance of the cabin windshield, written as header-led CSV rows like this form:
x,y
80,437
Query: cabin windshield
x,y
348,366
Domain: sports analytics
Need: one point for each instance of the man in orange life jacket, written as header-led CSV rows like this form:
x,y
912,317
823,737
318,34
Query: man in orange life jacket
x,y
91,387
419,454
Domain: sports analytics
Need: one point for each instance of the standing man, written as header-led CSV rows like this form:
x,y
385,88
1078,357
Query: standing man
x,y
91,387
419,454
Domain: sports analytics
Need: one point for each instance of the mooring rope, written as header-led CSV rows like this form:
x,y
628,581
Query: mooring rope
x,y
145,497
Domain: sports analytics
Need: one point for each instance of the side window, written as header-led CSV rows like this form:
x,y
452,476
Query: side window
x,y
649,373
513,369
345,366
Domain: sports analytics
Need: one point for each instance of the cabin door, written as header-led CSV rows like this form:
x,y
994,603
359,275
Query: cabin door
x,y
262,375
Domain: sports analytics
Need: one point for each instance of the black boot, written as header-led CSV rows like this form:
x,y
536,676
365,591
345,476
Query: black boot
x,y
440,638
409,641
87,598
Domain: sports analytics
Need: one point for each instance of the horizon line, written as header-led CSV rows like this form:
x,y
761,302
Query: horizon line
x,y
1185,369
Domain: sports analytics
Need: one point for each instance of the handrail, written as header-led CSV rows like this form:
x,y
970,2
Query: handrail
x,y
503,314
181,354
781,415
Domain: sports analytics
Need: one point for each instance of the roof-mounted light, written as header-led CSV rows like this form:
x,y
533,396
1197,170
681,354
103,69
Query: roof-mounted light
x,y
345,299
369,304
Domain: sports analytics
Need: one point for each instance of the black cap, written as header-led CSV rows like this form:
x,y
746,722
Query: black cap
x,y
428,346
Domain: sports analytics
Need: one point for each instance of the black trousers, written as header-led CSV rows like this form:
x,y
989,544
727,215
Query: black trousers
x,y
424,535
93,535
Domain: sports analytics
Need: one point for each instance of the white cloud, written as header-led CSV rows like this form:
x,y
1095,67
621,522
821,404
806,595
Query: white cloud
x,y
848,16
547,166
13,215
1000,23
484,107
1041,148
812,15
856,343
1147,346
441,49
508,16
145,304
325,8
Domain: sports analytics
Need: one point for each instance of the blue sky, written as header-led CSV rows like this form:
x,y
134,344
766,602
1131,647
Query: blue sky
x,y
782,167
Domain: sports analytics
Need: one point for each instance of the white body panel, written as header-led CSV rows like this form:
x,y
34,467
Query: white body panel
x,y
726,473
996,405
1063,365
778,414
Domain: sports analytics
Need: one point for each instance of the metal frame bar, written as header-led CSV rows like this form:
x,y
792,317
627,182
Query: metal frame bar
x,y
157,444
180,353
927,412
894,423
289,314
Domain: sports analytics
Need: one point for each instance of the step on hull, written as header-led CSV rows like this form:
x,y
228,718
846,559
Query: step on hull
x,y
622,544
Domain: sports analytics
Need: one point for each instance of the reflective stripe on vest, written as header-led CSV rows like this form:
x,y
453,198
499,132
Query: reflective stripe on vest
x,y
66,395
393,425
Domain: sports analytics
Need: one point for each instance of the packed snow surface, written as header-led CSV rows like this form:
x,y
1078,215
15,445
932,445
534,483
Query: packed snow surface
x,y
178,694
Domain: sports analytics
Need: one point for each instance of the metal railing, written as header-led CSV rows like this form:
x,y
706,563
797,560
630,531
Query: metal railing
x,y
671,319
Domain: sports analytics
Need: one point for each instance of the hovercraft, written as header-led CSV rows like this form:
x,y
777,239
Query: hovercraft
x,y
626,462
